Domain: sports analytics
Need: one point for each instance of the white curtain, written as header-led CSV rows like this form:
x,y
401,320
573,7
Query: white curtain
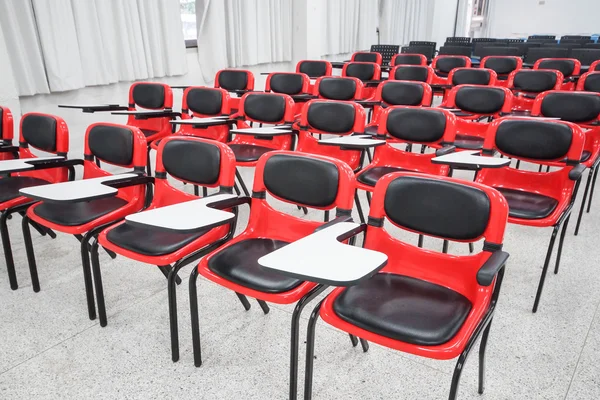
x,y
342,21
368,22
91,42
463,22
401,21
17,22
233,33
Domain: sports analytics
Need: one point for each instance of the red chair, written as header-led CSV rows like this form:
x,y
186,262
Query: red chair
x,y
472,76
477,105
7,151
44,132
431,127
366,72
295,178
589,82
503,66
203,102
367,56
416,73
291,83
423,302
409,59
595,66
317,118
152,96
192,160
339,88
398,93
237,81
314,69
567,66
538,199
264,108
527,84
442,65
120,145
583,109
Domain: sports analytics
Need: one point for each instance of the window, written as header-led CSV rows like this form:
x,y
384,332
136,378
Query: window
x,y
479,8
188,21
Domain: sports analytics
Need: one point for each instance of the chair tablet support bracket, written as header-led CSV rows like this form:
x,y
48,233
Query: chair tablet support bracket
x,y
445,150
576,172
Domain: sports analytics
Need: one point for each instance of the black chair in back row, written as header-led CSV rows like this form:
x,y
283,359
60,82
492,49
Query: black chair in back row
x,y
535,54
586,56
541,37
458,39
387,51
427,51
455,50
499,51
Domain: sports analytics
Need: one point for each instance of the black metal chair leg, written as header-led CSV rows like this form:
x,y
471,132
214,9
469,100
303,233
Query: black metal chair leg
x,y
368,198
560,244
204,191
420,242
172,294
365,345
354,340
148,163
310,351
482,347
423,147
359,207
471,248
244,301
236,188
264,306
166,270
194,318
583,200
326,216
592,190
8,255
98,284
87,276
445,246
456,376
241,181
518,164
544,270
35,282
294,339
196,190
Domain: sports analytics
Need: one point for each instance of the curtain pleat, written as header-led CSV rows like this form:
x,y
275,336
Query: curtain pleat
x,y
404,20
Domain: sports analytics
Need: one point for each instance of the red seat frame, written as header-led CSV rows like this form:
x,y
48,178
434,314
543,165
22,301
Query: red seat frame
x,y
7,133
442,78
524,100
581,82
305,89
503,82
328,70
378,109
368,92
235,101
160,127
568,84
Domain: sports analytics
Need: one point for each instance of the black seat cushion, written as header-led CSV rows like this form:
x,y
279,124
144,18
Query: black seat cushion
x,y
238,263
248,152
468,142
80,213
372,175
404,308
148,132
149,241
528,205
10,186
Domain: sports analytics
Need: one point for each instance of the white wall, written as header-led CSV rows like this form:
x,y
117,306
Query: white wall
x,y
520,18
444,13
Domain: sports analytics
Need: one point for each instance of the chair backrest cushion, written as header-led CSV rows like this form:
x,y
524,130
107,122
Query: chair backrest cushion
x,y
192,161
571,106
329,116
112,144
419,125
205,101
287,83
447,64
313,69
565,66
480,100
364,72
502,65
264,107
416,73
39,131
537,140
534,81
402,93
471,76
337,88
233,80
149,95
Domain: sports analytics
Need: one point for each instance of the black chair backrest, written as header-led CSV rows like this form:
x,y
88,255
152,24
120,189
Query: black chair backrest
x,y
534,81
112,144
455,50
538,37
407,59
576,41
400,93
337,88
422,43
565,66
511,41
365,57
293,178
502,65
287,83
459,44
364,72
572,106
535,140
586,56
524,47
484,40
458,39
536,53
314,69
149,95
206,101
451,210
233,80
387,51
40,131
427,51
592,83
499,51
448,63
265,107
480,99
575,37
471,76
479,46
418,125
418,73
319,116
192,161
592,46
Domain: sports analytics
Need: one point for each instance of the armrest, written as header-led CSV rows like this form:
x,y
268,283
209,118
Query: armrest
x,y
487,272
229,203
126,182
336,220
9,149
353,232
445,150
576,172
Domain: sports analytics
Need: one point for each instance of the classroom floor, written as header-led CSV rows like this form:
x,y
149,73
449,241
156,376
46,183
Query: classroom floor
x,y
51,350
